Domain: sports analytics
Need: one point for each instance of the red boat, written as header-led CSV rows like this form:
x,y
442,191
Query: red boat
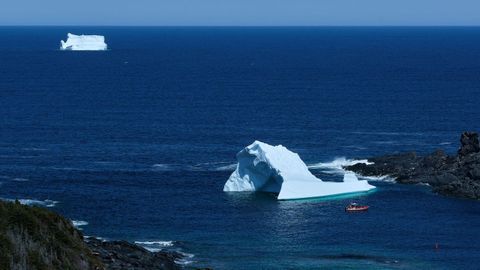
x,y
353,207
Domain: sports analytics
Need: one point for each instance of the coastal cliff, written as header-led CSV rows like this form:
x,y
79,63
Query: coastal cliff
x,y
34,238
453,175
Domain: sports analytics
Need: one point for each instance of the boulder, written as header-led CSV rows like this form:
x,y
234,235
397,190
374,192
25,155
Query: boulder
x,y
468,144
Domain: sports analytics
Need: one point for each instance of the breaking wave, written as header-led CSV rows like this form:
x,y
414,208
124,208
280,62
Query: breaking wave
x,y
87,238
383,178
158,243
44,203
156,246
337,164
187,258
79,223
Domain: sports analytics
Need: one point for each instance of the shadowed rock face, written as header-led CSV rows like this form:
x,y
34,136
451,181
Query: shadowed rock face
x,y
469,144
449,175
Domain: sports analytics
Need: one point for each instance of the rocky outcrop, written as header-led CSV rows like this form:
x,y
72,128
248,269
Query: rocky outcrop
x,y
118,255
34,238
457,175
469,144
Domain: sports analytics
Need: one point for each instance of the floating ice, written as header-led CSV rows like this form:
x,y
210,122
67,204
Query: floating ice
x,y
83,43
262,167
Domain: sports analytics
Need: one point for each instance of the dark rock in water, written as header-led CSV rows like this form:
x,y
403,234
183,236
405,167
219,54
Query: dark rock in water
x,y
450,175
469,144
124,255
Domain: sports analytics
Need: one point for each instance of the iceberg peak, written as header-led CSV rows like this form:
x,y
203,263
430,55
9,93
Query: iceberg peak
x,y
263,167
83,43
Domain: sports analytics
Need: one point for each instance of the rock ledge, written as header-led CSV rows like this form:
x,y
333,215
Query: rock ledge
x,y
457,175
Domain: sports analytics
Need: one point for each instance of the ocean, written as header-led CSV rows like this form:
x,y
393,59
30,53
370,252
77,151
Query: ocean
x,y
137,142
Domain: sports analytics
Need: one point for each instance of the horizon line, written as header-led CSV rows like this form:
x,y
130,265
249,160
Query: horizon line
x,y
232,26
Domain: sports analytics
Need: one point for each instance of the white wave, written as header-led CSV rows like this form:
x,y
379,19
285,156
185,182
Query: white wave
x,y
230,167
337,167
445,143
79,223
45,203
383,178
152,249
159,243
155,246
210,166
86,237
20,179
337,164
187,258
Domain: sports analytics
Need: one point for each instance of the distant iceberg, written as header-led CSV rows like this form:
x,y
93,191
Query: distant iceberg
x,y
83,43
263,167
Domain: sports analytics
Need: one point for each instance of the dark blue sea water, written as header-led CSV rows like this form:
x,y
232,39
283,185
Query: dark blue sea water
x,y
139,140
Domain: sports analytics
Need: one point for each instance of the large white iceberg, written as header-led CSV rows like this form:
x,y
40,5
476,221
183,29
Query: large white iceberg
x,y
263,167
83,43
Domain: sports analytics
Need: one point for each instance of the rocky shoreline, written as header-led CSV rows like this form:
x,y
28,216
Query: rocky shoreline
x,y
32,237
118,255
452,175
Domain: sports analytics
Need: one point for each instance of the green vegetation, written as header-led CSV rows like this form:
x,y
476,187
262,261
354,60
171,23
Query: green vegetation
x,y
36,238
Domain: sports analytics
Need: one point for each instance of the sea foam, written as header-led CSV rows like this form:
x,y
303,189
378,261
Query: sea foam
x,y
337,164
159,243
156,246
79,223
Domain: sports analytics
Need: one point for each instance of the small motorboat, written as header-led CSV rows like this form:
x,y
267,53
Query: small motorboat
x,y
354,207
